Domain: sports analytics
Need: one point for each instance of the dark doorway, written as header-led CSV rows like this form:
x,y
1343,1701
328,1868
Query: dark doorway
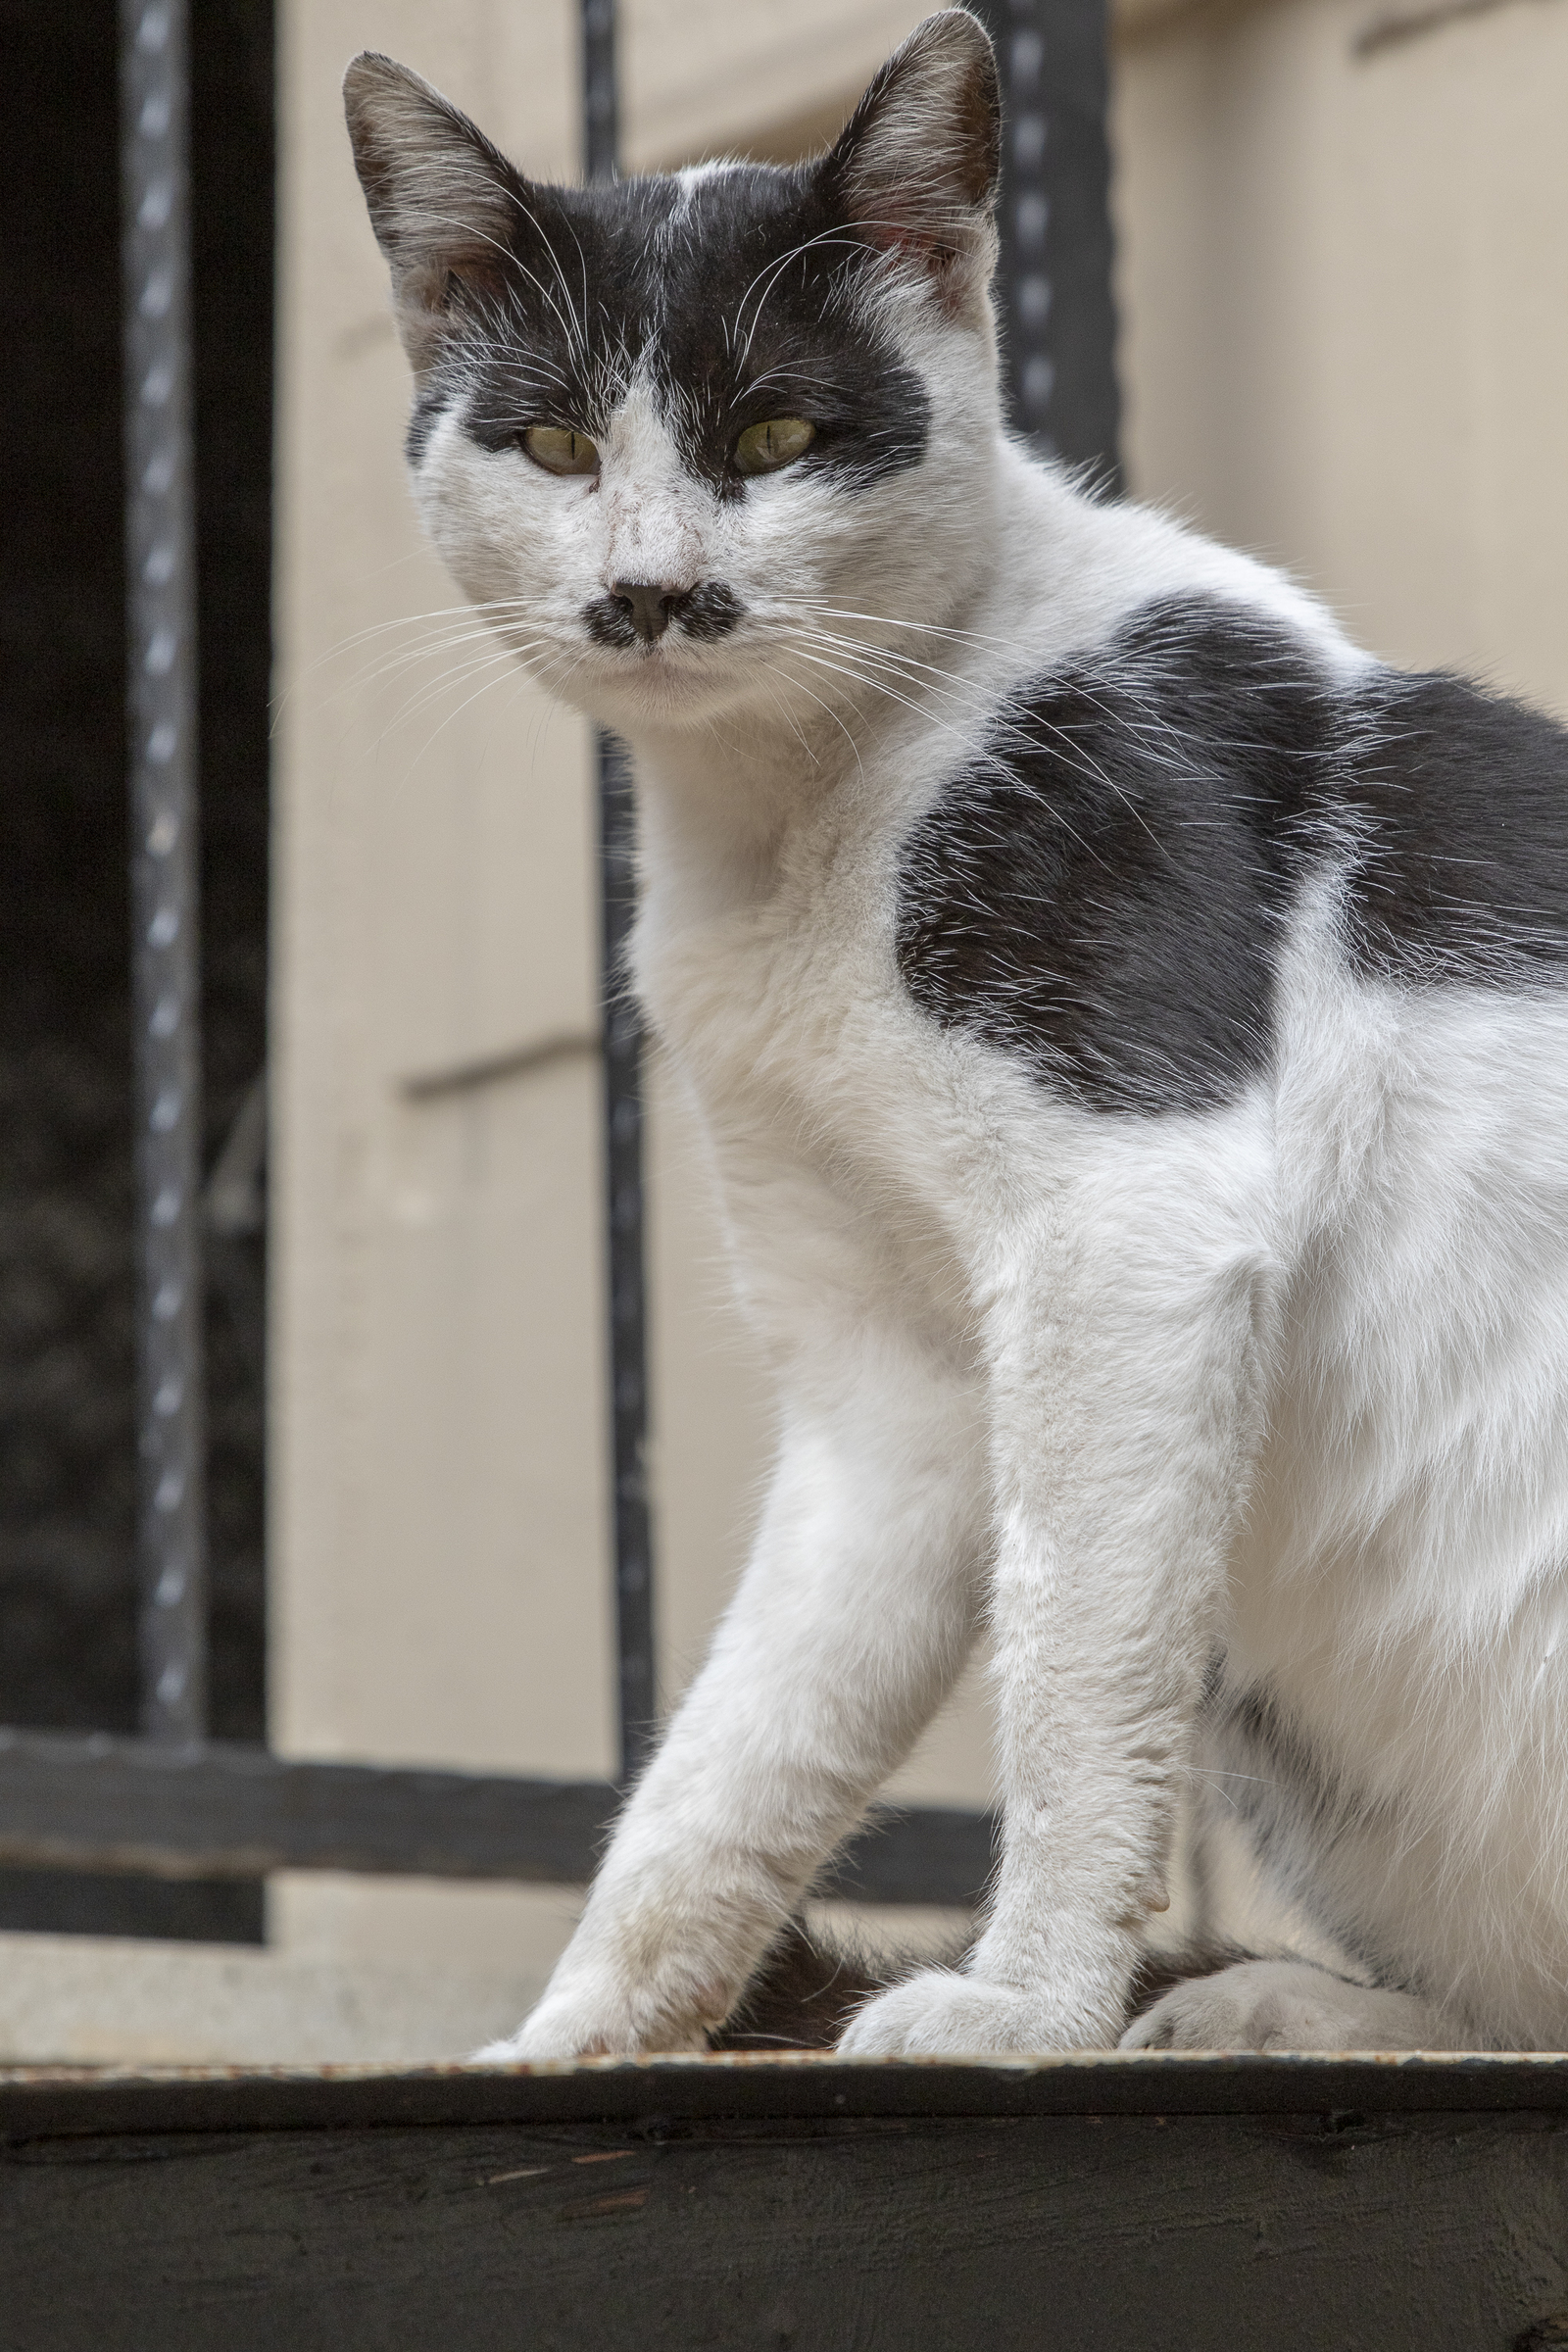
x,y
68,1651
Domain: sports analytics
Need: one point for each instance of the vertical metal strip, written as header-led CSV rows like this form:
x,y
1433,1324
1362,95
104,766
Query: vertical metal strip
x,y
628,1351
623,1103
161,609
600,108
1059,341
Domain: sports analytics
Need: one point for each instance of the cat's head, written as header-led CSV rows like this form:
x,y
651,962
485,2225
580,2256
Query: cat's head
x,y
676,431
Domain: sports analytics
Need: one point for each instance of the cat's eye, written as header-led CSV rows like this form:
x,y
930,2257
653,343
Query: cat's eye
x,y
559,449
764,448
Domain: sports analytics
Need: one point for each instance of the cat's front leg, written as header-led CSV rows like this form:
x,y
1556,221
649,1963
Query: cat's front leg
x,y
854,1616
1125,1351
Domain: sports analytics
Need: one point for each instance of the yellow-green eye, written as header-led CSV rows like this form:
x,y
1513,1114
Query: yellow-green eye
x,y
561,451
764,448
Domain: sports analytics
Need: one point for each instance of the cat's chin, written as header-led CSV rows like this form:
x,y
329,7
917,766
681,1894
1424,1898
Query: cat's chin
x,y
652,692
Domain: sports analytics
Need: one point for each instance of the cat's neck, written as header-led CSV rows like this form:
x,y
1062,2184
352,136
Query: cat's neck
x,y
721,802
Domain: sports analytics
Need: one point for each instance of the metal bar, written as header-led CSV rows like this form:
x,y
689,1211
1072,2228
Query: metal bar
x,y
918,1855
228,1811
635,1654
628,1346
1059,323
601,109
161,574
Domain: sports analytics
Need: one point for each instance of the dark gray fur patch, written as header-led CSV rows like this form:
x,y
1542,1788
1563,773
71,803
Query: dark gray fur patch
x,y
1460,801
1103,893
741,297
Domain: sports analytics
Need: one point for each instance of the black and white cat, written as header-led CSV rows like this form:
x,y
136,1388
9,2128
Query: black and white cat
x,y
1131,1027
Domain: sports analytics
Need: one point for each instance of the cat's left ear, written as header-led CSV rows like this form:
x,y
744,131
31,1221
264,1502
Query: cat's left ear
x,y
444,203
918,165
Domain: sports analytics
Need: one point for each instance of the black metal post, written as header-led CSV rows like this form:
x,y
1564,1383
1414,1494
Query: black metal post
x,y
1059,321
623,1103
628,1350
160,552
600,109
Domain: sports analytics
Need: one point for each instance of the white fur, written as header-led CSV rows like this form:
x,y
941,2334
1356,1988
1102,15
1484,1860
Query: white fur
x,y
1287,1377
1284,2005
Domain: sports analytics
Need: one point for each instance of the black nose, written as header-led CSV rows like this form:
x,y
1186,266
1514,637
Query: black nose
x,y
650,604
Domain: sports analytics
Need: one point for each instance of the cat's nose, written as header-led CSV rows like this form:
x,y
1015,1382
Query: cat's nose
x,y
650,603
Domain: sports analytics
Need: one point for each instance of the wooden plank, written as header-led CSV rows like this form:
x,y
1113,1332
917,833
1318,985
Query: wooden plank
x,y
1306,2228
225,1810
799,2086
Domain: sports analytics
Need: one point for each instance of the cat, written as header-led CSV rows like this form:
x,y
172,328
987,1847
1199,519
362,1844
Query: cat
x,y
1129,1027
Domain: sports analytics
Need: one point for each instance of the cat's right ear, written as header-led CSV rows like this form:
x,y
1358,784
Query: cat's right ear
x,y
443,201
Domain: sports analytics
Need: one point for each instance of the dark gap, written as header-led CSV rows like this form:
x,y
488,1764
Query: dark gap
x,y
66,1275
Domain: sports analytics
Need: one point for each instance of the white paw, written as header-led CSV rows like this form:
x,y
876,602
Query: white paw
x,y
1281,2005
571,2025
941,2014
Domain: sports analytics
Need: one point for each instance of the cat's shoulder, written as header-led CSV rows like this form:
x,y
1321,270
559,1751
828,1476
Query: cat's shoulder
x,y
1075,567
1100,889
1106,888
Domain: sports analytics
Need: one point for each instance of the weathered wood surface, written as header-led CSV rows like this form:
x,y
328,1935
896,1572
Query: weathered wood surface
x,y
1145,2204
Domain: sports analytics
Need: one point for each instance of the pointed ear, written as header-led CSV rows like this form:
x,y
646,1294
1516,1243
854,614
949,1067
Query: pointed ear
x,y
443,201
919,159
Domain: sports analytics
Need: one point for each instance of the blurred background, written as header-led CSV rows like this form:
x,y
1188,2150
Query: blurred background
x,y
1340,283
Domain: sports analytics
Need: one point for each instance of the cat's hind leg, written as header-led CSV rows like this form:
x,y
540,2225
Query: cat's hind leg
x,y
1252,1968
1284,2004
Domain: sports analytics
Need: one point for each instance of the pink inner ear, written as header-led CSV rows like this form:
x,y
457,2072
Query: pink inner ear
x,y
914,234
919,245
481,274
914,186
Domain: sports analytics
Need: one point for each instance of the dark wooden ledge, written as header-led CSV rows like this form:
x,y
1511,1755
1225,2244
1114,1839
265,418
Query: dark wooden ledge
x,y
805,2086
1145,2203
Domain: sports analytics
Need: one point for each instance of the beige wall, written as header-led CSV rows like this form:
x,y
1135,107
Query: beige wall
x,y
436,1344
1344,234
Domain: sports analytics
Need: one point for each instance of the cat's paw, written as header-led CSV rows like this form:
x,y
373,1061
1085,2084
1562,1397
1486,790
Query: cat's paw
x,y
578,2024
1281,2005
561,2029
942,2014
